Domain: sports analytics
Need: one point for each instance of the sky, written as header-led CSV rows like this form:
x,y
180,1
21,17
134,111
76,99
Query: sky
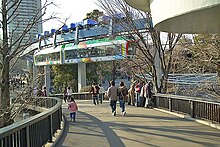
x,y
75,10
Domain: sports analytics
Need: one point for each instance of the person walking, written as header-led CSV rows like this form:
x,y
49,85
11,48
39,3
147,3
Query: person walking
x,y
122,94
69,93
65,94
148,94
149,91
95,93
44,91
138,87
131,95
112,95
72,106
101,93
142,96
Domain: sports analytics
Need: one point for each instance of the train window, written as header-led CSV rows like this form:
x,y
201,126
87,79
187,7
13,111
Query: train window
x,y
83,53
101,51
70,54
53,57
93,52
40,58
110,50
118,48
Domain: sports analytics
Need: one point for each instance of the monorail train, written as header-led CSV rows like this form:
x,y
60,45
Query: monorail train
x,y
86,51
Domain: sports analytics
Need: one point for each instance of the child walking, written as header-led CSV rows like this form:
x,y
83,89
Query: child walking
x,y
72,106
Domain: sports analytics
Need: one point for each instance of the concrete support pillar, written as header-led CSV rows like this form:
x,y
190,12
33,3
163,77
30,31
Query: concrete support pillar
x,y
81,66
81,75
47,77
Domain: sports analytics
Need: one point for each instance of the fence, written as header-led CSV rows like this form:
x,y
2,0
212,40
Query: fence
x,y
79,96
194,107
36,130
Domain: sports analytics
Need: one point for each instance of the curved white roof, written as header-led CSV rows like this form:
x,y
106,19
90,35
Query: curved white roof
x,y
182,16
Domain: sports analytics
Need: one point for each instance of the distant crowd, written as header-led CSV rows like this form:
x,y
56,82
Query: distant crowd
x,y
17,82
139,94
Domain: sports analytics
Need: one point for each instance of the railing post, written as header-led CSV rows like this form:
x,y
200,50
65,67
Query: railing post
x,y
156,100
170,104
192,109
51,127
28,136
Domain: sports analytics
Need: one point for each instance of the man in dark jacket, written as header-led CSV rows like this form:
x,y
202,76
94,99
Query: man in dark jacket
x,y
95,93
122,95
112,94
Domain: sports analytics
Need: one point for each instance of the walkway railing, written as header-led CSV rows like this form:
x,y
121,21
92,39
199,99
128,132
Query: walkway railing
x,y
194,107
36,130
191,106
78,96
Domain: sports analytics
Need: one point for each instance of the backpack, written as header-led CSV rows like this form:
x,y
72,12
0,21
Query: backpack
x,y
124,92
138,88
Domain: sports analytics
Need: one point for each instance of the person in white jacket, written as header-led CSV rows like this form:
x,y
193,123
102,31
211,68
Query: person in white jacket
x,y
69,93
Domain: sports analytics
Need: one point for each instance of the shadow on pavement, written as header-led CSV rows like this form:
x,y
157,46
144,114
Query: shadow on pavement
x,y
83,124
111,136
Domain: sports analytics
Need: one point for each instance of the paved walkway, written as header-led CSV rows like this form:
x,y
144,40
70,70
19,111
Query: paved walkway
x,y
141,127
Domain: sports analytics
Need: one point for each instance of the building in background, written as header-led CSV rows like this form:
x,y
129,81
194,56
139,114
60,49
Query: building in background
x,y
23,16
27,10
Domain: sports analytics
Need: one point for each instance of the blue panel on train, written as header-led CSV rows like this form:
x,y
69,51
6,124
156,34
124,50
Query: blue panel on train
x,y
90,22
46,33
38,36
139,24
72,26
65,28
119,15
65,37
46,41
52,31
79,23
104,19
92,32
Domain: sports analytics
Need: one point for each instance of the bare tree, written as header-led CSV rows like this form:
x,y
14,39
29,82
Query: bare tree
x,y
150,48
199,55
13,44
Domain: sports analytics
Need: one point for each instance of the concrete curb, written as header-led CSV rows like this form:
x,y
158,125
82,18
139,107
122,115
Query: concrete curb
x,y
208,123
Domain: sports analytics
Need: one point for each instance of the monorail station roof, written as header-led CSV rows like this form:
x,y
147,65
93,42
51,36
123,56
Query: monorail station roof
x,y
182,16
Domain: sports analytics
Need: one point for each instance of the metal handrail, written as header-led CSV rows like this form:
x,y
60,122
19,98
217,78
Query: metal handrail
x,y
20,133
208,109
188,98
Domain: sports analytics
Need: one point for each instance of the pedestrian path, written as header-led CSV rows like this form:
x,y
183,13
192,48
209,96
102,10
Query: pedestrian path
x,y
140,127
